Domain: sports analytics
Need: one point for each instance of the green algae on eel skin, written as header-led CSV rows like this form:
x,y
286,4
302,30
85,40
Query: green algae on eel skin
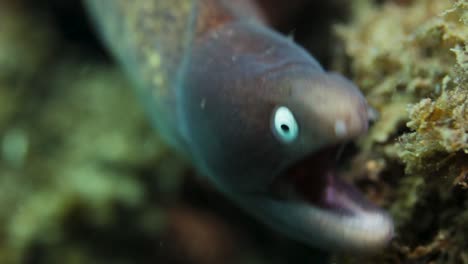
x,y
254,112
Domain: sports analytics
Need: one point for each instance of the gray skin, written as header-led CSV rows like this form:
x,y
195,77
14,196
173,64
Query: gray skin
x,y
230,78
227,117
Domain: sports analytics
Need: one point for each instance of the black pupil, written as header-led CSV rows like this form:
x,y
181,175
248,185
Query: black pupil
x,y
285,128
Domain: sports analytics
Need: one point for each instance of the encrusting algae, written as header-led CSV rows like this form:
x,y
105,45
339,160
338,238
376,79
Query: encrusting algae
x,y
411,59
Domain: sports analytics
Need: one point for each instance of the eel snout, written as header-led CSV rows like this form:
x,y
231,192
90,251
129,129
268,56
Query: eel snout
x,y
332,108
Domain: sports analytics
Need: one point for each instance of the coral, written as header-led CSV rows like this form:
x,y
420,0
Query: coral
x,y
410,58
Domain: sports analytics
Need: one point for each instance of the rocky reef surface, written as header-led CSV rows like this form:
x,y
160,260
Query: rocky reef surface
x,y
411,60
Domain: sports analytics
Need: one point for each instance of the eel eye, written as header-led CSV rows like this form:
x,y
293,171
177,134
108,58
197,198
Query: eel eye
x,y
284,125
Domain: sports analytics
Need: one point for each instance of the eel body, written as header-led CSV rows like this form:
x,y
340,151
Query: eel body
x,y
254,112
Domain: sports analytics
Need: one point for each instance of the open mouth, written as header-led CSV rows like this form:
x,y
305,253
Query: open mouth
x,y
320,206
315,180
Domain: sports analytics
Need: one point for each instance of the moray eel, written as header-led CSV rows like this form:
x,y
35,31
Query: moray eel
x,y
254,111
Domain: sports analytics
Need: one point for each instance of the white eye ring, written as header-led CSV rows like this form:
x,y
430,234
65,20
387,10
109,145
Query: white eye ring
x,y
284,124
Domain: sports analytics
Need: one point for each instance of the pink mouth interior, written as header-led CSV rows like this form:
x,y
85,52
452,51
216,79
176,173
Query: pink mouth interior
x,y
315,180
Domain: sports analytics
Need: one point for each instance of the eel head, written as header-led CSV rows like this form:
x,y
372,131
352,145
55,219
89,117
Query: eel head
x,y
306,197
265,125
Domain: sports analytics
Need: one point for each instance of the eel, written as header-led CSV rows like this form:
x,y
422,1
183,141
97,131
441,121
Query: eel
x,y
253,111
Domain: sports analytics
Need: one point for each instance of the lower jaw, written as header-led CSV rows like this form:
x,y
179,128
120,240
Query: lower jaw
x,y
321,209
331,230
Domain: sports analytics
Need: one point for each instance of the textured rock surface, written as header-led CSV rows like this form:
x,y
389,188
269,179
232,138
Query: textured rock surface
x,y
410,57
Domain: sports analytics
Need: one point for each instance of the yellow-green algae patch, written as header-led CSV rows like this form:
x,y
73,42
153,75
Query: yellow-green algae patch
x,y
411,60
72,139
